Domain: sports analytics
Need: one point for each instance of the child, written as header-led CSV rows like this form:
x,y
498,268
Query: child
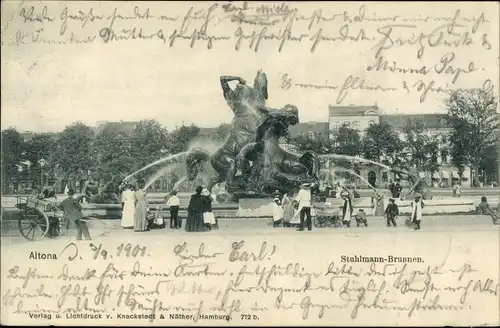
x,y
277,211
361,218
391,212
173,206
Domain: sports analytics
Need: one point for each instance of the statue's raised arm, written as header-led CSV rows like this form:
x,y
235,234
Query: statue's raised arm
x,y
226,89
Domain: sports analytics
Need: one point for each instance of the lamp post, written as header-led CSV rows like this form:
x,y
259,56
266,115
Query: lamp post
x,y
42,164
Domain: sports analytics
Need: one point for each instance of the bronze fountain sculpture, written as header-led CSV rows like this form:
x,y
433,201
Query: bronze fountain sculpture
x,y
252,147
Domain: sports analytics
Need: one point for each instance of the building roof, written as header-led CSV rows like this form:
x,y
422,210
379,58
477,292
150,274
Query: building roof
x,y
430,121
353,110
127,127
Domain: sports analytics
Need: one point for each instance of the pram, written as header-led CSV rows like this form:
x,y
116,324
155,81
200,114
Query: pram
x,y
155,219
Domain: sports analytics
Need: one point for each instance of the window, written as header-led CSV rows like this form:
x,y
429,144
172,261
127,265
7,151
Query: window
x,y
336,125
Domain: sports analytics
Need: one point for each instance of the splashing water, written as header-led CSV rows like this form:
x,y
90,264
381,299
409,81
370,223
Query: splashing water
x,y
338,156
160,173
355,174
161,160
178,183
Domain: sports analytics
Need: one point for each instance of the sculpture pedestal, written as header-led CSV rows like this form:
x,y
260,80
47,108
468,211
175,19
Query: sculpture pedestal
x,y
255,207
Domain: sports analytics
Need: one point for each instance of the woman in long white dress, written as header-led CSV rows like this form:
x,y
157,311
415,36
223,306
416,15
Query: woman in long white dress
x,y
128,213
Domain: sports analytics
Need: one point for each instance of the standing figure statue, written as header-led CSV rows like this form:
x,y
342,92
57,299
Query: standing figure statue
x,y
250,111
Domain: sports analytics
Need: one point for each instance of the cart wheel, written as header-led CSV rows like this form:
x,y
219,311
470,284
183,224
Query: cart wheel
x,y
33,223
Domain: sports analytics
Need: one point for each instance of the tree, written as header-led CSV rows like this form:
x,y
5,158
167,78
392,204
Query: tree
x,y
317,145
149,143
347,141
180,138
381,144
12,148
473,118
489,165
41,147
414,144
74,152
431,149
113,151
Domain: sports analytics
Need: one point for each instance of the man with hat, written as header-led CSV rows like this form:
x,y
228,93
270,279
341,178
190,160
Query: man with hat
x,y
73,213
391,212
304,200
417,207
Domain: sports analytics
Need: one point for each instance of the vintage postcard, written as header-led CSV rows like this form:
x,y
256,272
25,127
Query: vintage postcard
x,y
250,163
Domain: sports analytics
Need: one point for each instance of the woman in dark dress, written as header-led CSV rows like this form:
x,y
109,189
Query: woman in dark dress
x,y
194,220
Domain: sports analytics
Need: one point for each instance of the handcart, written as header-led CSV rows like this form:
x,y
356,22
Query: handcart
x,y
40,218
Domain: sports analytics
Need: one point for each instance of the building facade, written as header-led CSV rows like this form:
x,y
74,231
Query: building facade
x,y
434,126
356,117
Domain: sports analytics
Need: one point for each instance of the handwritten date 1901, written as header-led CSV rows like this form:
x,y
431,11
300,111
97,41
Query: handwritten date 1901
x,y
126,250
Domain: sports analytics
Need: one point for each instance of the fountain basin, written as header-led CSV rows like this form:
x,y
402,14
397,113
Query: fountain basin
x,y
264,206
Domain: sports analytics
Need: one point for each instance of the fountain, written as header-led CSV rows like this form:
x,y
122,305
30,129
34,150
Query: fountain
x,y
161,160
251,162
339,169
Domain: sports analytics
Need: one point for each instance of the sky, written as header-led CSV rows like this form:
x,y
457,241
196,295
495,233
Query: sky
x,y
45,87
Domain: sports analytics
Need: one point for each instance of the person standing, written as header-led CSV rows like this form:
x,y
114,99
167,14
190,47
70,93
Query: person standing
x,y
346,209
128,207
378,204
73,214
417,207
391,212
194,222
208,215
397,190
173,203
288,210
456,190
277,210
141,208
392,188
304,200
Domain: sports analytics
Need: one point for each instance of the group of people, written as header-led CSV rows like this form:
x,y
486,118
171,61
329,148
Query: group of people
x,y
135,208
286,207
300,203
200,217
395,189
